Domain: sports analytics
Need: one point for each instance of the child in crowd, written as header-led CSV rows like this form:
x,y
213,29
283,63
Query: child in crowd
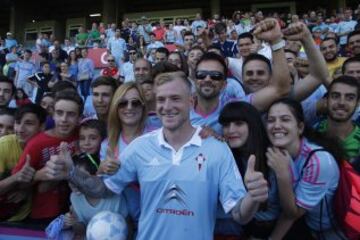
x,y
21,97
83,208
47,102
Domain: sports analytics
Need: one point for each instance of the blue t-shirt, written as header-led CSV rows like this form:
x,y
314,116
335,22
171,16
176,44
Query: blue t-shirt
x,y
131,194
153,121
25,70
233,89
85,211
318,182
225,225
179,189
212,119
228,48
309,106
117,47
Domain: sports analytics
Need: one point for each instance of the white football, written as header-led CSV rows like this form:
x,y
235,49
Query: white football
x,y
107,226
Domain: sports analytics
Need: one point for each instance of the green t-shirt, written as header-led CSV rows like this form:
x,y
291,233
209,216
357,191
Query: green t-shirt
x,y
10,152
81,38
351,144
95,35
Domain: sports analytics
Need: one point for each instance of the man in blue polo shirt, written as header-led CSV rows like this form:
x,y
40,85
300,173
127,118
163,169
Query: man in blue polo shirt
x,y
182,177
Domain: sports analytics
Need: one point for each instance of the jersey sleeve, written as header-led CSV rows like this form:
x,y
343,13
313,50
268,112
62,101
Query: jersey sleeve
x,y
126,173
231,186
318,176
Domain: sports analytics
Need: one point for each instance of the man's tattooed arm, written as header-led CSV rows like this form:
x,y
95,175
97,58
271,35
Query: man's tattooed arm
x,y
92,186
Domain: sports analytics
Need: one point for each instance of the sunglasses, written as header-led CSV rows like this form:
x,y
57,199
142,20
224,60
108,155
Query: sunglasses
x,y
135,103
214,75
132,53
111,60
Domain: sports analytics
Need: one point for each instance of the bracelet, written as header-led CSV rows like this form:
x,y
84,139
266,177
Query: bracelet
x,y
279,45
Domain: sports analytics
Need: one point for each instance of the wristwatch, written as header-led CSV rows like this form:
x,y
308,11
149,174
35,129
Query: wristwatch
x,y
278,45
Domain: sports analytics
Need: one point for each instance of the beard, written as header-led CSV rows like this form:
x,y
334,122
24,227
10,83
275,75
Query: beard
x,y
331,59
343,119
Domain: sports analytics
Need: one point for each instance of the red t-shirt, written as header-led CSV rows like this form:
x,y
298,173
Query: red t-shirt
x,y
51,203
159,33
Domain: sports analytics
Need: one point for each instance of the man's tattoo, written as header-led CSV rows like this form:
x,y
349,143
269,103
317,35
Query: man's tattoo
x,y
92,186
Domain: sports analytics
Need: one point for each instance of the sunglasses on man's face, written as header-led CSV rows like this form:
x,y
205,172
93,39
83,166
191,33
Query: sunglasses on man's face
x,y
135,103
214,75
111,60
132,53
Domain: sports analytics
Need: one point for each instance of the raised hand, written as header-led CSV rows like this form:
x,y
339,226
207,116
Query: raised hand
x,y
69,220
255,182
26,174
297,32
268,30
110,165
278,160
59,166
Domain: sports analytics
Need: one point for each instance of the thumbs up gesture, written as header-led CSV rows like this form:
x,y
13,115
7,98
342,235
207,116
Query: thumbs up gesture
x,y
110,165
26,174
255,182
59,166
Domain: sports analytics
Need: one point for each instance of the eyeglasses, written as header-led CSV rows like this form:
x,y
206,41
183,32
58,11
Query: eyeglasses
x,y
135,103
132,53
214,75
111,60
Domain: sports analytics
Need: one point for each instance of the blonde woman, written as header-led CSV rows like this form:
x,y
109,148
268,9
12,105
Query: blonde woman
x,y
126,121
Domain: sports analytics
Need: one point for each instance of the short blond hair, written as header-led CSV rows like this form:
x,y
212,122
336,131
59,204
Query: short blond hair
x,y
171,76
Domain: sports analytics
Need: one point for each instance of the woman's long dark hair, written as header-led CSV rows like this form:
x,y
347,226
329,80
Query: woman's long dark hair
x,y
329,143
257,141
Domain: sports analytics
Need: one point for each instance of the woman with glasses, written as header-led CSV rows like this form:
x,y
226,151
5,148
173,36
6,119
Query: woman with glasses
x,y
126,121
127,68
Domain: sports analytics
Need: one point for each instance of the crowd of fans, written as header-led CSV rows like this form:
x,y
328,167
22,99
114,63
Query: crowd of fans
x,y
148,136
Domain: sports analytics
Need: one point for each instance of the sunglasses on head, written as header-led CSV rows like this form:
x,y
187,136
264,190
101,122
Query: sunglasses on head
x,y
135,103
214,75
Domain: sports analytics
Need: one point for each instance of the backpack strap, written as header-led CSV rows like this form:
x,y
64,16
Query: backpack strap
x,y
324,199
308,159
